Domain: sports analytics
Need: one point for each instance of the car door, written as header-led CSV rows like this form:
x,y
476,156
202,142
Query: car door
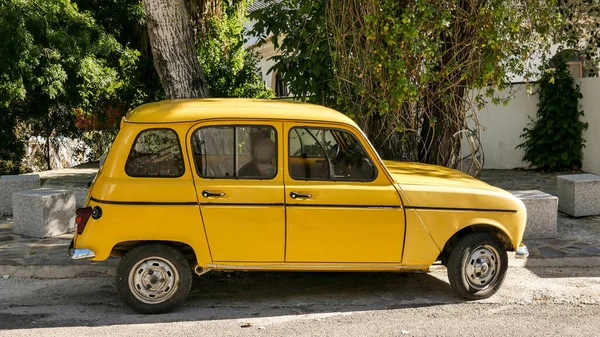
x,y
239,182
340,205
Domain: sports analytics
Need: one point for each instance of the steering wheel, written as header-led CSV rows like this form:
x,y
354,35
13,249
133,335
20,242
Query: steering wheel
x,y
333,152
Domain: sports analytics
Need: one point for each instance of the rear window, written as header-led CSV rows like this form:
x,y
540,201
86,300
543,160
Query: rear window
x,y
155,153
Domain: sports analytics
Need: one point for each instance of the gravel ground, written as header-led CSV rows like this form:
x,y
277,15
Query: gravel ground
x,y
537,302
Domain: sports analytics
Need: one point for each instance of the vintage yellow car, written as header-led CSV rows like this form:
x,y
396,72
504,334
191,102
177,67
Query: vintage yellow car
x,y
195,185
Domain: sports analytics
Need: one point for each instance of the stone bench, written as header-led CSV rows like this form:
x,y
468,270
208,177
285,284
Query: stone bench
x,y
542,214
579,194
43,212
15,183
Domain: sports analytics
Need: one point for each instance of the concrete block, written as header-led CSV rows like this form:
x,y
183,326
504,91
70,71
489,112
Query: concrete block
x,y
579,194
542,214
80,196
43,212
15,183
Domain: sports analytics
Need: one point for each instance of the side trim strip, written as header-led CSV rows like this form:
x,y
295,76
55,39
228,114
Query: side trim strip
x,y
239,204
461,209
193,203
324,266
145,203
343,206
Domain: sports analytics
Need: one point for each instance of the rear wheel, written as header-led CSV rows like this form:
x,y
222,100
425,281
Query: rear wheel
x,y
477,265
153,278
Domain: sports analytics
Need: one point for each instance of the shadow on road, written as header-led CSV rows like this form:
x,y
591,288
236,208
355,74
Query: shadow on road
x,y
238,295
563,258
557,272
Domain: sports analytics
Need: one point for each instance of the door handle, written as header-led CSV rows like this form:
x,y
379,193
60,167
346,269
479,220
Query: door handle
x,y
295,195
207,194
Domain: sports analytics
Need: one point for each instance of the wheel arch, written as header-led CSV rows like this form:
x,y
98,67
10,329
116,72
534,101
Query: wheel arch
x,y
497,231
186,249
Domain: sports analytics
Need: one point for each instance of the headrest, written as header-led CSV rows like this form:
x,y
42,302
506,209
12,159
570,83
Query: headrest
x,y
264,150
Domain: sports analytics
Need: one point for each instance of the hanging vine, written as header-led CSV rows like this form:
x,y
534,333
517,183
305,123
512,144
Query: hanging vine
x,y
411,73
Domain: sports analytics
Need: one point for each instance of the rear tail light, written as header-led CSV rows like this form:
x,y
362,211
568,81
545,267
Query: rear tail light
x,y
82,217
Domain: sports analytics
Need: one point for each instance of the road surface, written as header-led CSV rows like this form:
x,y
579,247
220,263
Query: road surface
x,y
532,302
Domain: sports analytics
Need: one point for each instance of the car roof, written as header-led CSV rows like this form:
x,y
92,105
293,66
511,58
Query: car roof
x,y
189,110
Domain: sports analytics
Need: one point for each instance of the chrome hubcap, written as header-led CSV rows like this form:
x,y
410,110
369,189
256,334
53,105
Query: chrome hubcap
x,y
482,267
153,280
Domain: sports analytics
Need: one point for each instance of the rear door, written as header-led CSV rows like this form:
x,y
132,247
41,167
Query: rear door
x,y
239,181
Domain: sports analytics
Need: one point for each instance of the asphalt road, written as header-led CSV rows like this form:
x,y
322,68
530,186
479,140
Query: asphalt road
x,y
532,302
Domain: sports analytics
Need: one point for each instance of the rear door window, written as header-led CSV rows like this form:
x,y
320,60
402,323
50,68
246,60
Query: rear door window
x,y
235,152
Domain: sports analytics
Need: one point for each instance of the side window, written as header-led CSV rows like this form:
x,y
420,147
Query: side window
x,y
235,152
155,153
328,154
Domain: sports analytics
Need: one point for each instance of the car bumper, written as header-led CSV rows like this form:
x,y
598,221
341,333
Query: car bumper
x,y
80,253
522,252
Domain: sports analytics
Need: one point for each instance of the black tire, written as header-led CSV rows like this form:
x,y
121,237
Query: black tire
x,y
159,266
468,277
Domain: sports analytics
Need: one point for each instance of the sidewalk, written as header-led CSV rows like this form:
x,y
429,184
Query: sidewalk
x,y
577,243
22,256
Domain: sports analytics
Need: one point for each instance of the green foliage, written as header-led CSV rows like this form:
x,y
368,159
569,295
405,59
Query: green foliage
x,y
12,149
47,50
124,21
403,69
305,61
554,140
62,67
230,70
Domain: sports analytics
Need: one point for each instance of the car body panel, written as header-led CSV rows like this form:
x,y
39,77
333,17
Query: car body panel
x,y
342,221
419,247
399,221
191,110
245,224
126,224
448,200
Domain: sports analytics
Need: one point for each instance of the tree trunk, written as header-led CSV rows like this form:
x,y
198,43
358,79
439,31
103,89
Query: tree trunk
x,y
47,147
174,49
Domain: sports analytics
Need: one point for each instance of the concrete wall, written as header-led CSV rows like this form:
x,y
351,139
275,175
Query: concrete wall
x,y
502,126
590,104
266,51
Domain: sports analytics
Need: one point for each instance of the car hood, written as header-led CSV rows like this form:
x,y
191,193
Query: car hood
x,y
432,175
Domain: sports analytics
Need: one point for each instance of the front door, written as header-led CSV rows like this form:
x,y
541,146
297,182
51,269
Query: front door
x,y
239,183
341,207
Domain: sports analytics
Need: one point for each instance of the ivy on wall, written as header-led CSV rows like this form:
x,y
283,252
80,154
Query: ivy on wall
x,y
554,141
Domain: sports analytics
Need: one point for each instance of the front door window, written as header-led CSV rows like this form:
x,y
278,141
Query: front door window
x,y
328,154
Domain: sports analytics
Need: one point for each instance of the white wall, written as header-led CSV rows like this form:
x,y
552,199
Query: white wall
x,y
266,51
590,104
502,126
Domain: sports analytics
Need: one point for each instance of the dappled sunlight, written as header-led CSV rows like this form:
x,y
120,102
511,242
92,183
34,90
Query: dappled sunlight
x,y
417,170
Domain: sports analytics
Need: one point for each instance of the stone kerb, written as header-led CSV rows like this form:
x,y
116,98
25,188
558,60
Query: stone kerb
x,y
579,194
10,184
44,212
542,214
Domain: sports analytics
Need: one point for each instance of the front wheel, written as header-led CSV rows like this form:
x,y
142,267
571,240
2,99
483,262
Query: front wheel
x,y
153,278
477,266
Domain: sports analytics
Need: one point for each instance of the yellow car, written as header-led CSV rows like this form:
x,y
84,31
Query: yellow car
x,y
195,185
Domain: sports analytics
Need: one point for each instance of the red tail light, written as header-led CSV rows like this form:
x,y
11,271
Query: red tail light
x,y
82,217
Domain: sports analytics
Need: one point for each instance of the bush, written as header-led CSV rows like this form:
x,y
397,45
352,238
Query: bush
x,y
554,141
12,149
